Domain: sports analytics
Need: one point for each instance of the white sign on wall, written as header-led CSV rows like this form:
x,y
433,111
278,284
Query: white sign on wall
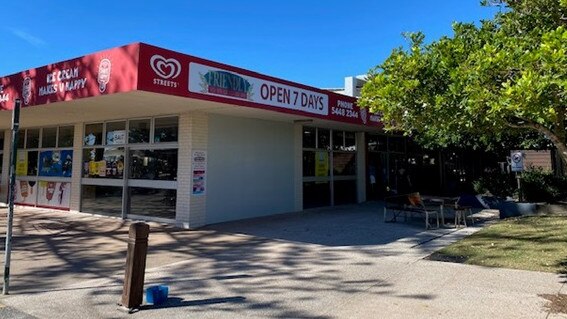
x,y
517,161
227,84
199,172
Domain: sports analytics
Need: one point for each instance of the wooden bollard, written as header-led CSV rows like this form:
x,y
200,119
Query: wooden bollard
x,y
133,293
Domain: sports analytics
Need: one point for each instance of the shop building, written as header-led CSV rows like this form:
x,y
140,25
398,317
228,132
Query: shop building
x,y
143,132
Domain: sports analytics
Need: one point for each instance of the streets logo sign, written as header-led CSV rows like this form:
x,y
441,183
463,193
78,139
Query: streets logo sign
x,y
166,69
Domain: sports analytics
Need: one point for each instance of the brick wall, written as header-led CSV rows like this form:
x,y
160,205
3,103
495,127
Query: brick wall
x,y
193,135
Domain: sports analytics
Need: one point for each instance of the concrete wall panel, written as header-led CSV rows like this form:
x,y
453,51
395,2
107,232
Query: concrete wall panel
x,y
250,168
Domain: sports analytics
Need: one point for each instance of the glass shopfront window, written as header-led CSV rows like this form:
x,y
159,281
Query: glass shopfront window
x,y
139,131
152,202
350,141
338,140
116,133
377,143
93,134
308,163
137,148
153,164
329,162
309,137
66,136
32,138
398,164
106,200
344,164
21,139
345,192
165,129
26,163
323,139
316,194
32,163
49,137
103,162
43,169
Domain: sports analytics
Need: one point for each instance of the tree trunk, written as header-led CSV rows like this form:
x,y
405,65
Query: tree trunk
x,y
562,149
556,140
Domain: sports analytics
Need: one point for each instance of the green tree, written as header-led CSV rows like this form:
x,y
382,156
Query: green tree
x,y
503,75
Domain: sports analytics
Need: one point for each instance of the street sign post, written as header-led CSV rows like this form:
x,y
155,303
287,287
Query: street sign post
x,y
517,165
11,192
517,161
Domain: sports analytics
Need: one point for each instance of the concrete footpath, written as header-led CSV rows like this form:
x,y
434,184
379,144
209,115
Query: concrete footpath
x,y
341,262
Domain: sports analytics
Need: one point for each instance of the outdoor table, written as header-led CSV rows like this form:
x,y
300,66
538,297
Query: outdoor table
x,y
440,201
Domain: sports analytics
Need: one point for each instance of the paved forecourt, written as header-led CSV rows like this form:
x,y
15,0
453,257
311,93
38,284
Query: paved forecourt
x,y
341,262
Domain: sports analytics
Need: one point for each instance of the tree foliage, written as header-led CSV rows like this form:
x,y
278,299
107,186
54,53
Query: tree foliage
x,y
503,75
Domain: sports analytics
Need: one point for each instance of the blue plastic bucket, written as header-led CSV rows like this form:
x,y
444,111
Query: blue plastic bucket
x,y
156,294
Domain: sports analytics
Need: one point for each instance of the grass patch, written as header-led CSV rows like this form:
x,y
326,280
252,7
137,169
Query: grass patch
x,y
536,243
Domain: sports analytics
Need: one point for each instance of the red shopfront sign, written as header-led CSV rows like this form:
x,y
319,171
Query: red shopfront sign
x,y
169,72
148,68
101,73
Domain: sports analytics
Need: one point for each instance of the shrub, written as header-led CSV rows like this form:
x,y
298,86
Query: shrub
x,y
496,183
539,185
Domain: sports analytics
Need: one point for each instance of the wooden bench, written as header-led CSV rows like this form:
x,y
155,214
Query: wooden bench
x,y
409,204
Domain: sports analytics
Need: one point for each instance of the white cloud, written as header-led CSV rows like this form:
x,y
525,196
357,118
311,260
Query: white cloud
x,y
33,40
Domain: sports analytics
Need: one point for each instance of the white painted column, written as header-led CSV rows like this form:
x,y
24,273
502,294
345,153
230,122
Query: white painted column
x,y
298,166
199,142
360,167
75,196
183,171
193,135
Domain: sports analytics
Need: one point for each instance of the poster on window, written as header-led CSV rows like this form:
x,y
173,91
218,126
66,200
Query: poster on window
x,y
321,164
25,192
107,162
56,163
116,137
22,163
199,172
54,194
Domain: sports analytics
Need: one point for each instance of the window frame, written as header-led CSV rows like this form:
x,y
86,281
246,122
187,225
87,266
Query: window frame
x,y
126,182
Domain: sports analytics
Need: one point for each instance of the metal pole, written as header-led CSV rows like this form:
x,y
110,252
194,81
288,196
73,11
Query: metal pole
x,y
11,191
520,195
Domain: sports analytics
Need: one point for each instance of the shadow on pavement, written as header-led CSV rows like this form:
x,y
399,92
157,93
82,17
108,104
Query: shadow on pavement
x,y
56,251
349,225
174,302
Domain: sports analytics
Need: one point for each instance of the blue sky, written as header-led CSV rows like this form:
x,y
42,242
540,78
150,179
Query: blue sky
x,y
312,42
